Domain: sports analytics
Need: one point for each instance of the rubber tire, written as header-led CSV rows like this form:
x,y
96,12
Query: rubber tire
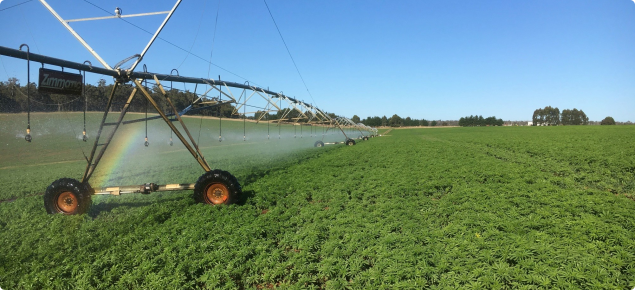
x,y
365,138
79,190
213,177
350,142
319,143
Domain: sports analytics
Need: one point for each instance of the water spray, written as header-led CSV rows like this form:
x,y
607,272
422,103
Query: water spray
x,y
172,87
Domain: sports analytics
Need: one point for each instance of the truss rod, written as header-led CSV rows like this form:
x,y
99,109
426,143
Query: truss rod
x,y
185,111
200,161
178,116
90,168
120,16
154,36
79,38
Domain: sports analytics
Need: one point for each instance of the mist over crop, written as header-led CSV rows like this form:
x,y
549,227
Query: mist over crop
x,y
245,145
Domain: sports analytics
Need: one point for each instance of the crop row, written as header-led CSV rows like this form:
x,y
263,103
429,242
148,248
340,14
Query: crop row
x,y
439,209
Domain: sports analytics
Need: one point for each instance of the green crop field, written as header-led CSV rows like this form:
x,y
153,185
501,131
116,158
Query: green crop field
x,y
486,207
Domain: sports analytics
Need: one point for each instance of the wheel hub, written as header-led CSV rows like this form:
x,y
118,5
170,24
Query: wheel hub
x,y
67,202
216,193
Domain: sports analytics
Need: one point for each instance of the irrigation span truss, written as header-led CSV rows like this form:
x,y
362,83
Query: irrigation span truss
x,y
70,196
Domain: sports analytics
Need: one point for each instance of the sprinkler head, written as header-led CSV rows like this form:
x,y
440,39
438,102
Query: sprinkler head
x,y
27,137
84,137
171,143
220,139
146,143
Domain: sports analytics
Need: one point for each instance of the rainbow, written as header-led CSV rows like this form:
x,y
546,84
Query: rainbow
x,y
117,152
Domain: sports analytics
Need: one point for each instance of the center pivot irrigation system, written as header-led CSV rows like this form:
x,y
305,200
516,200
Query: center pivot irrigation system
x,y
215,186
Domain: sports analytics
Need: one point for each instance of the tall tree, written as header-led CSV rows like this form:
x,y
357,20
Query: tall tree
x,y
395,121
608,121
376,121
372,121
546,117
553,116
574,117
538,117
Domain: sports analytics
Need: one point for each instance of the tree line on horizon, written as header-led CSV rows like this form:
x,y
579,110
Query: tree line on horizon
x,y
473,121
397,121
13,100
549,116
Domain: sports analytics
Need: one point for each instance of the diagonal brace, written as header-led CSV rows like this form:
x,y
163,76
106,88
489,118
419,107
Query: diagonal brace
x,y
90,167
198,158
178,116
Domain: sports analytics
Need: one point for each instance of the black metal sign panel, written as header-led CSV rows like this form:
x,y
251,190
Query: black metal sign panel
x,y
58,82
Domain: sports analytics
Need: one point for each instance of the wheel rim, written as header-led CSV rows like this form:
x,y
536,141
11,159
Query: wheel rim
x,y
216,193
67,202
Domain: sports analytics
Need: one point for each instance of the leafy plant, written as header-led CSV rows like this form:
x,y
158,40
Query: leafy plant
x,y
487,207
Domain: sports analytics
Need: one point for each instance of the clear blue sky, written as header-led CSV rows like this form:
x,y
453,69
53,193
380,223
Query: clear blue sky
x,y
422,59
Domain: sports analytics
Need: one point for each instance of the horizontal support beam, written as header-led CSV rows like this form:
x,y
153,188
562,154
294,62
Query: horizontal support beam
x,y
143,119
132,75
143,188
56,61
128,75
187,110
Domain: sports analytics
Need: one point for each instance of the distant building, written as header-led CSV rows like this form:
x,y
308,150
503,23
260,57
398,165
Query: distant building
x,y
530,123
